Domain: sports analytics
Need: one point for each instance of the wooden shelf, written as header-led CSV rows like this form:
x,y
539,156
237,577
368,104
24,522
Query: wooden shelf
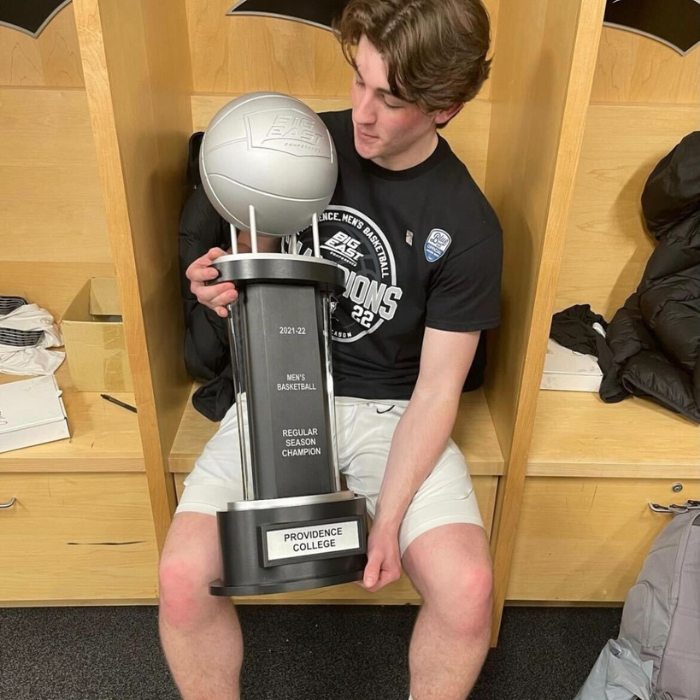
x,y
576,434
193,433
474,433
104,437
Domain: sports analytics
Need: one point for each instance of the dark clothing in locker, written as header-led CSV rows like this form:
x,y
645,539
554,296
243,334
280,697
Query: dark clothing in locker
x,y
655,336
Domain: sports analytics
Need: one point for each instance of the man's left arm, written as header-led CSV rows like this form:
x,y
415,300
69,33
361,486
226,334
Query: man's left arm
x,y
419,440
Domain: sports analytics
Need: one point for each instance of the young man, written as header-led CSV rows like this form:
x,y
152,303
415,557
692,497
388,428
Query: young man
x,y
406,219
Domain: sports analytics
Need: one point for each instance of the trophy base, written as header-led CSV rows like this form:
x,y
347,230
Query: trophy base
x,y
291,544
219,588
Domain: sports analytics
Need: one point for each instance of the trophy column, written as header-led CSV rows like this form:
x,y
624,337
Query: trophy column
x,y
295,528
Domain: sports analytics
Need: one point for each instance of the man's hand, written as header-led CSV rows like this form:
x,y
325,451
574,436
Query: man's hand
x,y
383,559
215,296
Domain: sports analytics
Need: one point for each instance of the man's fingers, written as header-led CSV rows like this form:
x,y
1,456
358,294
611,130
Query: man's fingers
x,y
211,255
201,269
209,273
225,292
220,301
215,252
379,572
201,274
382,580
215,294
372,571
390,572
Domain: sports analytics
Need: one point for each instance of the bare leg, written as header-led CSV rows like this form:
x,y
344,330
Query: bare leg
x,y
450,566
199,632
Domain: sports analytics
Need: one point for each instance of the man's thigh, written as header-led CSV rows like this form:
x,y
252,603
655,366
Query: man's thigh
x,y
216,479
445,497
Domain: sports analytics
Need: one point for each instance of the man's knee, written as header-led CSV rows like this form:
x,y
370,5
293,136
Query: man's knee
x,y
456,584
474,590
188,565
183,593
478,580
465,599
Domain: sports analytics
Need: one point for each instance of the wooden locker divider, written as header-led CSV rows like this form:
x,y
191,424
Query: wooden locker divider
x,y
603,463
140,113
541,86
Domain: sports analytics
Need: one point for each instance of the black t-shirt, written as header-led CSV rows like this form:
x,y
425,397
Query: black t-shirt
x,y
419,247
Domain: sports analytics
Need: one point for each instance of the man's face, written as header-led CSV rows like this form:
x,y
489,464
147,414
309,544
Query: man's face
x,y
391,132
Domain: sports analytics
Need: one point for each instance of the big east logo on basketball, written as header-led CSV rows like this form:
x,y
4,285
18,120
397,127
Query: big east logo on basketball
x,y
287,130
288,126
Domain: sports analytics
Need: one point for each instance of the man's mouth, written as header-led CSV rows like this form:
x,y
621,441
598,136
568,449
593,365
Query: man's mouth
x,y
365,136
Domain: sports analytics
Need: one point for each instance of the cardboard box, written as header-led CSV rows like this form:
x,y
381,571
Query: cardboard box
x,y
566,370
31,413
93,334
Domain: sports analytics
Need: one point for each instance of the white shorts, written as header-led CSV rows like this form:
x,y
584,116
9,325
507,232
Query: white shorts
x,y
364,433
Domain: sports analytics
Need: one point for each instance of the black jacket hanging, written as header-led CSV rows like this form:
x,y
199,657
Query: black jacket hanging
x,y
655,337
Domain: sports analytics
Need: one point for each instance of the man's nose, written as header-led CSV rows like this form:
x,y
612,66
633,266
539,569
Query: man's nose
x,y
363,110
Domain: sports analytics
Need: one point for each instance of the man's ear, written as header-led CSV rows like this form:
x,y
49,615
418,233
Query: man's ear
x,y
444,115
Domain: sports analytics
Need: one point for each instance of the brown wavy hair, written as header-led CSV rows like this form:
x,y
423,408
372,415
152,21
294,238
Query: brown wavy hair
x,y
435,50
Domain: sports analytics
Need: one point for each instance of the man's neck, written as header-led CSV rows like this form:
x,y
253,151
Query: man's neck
x,y
409,159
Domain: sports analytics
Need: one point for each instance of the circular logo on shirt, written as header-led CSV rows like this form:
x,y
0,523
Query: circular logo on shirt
x,y
357,244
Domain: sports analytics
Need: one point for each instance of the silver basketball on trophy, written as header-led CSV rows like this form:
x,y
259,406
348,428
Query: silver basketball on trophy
x,y
273,152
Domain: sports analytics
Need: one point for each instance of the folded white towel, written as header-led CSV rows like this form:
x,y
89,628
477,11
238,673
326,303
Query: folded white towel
x,y
26,330
31,361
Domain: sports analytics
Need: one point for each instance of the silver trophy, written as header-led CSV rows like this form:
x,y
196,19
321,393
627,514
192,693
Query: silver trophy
x,y
268,165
